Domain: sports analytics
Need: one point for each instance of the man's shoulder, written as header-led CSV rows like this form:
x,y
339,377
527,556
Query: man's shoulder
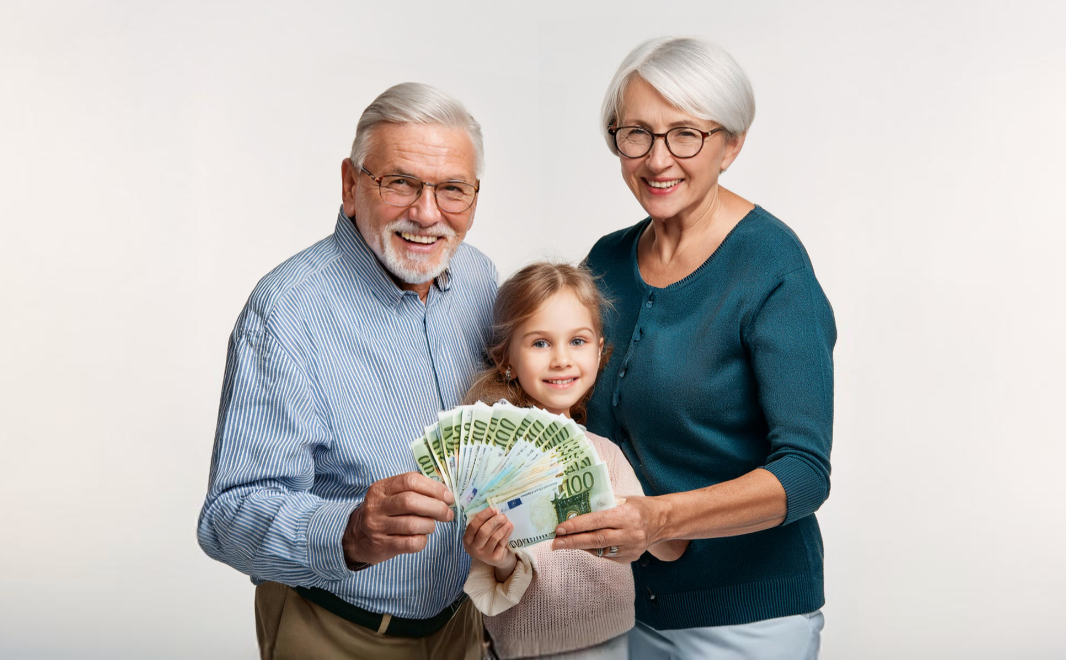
x,y
290,279
471,265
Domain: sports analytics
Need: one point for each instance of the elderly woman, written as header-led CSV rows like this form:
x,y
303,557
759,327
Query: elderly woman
x,y
721,391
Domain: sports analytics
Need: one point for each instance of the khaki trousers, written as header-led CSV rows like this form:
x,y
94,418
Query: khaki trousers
x,y
291,628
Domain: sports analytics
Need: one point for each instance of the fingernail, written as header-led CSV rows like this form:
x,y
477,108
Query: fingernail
x,y
559,531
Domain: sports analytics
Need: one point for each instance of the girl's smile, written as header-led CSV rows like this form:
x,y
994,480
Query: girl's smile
x,y
556,353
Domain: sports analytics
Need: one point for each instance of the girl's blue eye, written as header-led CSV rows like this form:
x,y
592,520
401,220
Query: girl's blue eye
x,y
577,341
540,343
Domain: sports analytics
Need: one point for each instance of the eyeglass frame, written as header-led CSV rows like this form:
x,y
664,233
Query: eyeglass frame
x,y
613,130
379,179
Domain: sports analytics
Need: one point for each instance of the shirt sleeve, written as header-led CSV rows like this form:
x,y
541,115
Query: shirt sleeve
x,y
491,597
791,340
259,516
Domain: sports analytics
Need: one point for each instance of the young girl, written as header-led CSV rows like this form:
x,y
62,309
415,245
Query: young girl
x,y
548,349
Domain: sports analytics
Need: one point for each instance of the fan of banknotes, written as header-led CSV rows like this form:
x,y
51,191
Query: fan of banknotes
x,y
535,467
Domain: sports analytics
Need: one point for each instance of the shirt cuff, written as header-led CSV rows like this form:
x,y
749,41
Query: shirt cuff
x,y
325,554
805,489
491,597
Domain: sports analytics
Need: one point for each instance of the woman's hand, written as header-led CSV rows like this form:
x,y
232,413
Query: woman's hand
x,y
669,550
486,538
750,503
632,527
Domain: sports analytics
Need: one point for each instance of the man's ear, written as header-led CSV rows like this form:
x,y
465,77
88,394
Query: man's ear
x,y
349,177
473,208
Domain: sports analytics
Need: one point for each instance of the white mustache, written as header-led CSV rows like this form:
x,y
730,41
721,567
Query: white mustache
x,y
411,227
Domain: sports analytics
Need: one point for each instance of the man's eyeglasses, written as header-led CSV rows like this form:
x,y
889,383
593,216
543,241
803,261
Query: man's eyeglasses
x,y
682,142
402,190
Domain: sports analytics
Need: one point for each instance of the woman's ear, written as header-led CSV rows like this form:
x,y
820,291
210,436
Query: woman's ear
x,y
732,150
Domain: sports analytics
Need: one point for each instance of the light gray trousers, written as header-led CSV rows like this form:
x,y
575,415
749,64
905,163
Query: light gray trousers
x,y
787,638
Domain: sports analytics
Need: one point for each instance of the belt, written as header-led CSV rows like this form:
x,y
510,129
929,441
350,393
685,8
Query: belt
x,y
383,624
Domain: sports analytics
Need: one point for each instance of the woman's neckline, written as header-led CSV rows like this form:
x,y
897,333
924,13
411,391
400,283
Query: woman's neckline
x,y
684,281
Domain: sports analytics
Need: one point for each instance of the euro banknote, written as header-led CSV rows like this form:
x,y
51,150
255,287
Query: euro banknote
x,y
535,467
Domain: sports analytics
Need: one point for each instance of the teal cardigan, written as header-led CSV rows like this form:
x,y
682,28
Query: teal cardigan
x,y
725,371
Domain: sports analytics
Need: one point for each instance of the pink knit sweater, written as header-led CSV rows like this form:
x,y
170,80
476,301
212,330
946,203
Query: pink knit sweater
x,y
559,601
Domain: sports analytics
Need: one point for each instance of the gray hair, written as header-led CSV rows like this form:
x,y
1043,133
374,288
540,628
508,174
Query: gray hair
x,y
416,103
694,75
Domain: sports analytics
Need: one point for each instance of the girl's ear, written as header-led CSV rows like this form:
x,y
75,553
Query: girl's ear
x,y
599,356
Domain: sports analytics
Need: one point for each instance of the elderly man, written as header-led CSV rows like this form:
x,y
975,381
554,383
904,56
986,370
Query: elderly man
x,y
342,355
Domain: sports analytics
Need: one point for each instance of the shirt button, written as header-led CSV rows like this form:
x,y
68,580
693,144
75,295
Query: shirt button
x,y
623,374
614,399
649,303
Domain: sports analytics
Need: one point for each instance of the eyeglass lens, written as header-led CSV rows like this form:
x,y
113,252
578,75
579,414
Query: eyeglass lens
x,y
452,196
634,141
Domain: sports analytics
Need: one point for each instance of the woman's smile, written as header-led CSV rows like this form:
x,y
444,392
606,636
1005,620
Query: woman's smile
x,y
662,186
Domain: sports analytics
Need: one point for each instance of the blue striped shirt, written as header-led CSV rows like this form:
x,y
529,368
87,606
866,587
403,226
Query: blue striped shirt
x,y
332,370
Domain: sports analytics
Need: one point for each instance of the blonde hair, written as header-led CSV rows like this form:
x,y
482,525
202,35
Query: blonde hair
x,y
518,299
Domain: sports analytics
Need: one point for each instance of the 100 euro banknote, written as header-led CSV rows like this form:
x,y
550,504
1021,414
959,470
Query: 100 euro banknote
x,y
537,468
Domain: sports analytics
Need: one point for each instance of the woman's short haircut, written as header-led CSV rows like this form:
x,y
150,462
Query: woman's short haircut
x,y
416,103
694,75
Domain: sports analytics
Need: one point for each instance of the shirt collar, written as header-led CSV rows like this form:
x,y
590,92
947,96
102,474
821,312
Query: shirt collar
x,y
366,263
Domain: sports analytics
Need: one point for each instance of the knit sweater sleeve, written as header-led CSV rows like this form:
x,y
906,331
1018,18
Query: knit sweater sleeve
x,y
624,481
791,339
491,597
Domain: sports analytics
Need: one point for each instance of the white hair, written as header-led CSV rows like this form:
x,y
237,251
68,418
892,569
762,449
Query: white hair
x,y
696,76
416,103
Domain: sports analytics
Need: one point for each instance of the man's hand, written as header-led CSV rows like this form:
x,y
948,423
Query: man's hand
x,y
396,517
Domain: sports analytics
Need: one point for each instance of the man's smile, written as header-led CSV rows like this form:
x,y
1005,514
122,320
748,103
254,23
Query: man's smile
x,y
419,238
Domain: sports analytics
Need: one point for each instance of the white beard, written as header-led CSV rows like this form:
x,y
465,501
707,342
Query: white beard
x,y
414,268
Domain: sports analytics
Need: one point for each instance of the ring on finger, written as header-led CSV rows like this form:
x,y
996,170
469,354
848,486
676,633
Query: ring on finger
x,y
611,551
599,551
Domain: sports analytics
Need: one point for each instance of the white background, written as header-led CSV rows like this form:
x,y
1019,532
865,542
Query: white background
x,y
156,159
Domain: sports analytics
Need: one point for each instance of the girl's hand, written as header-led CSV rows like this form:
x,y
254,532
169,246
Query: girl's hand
x,y
486,538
